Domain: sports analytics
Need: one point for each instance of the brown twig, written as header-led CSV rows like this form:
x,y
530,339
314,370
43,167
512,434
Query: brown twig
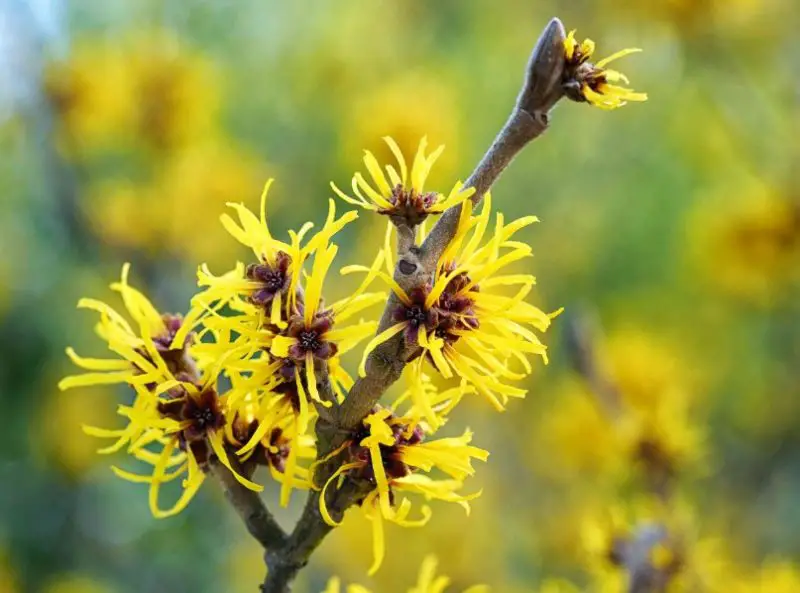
x,y
250,507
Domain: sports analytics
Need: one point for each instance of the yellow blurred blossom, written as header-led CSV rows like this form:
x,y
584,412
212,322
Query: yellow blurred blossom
x,y
406,109
65,443
657,542
575,436
774,576
8,578
144,89
646,367
167,214
747,241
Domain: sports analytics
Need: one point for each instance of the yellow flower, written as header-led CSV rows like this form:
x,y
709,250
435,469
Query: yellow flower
x,y
178,89
587,82
398,192
167,214
392,455
9,581
145,349
92,94
75,583
646,368
176,420
464,327
271,283
427,582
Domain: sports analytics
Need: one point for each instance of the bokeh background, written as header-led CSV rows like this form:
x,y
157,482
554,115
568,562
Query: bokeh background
x,y
671,229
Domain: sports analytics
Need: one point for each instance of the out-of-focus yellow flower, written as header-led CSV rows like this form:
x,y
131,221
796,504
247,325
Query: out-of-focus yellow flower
x,y
176,212
406,109
92,93
748,241
593,83
59,430
726,18
189,193
774,576
120,213
144,89
661,540
179,91
646,368
575,436
645,421
427,582
663,442
557,586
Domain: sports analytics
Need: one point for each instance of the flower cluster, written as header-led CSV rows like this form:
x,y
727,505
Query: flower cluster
x,y
465,323
243,375
269,344
239,381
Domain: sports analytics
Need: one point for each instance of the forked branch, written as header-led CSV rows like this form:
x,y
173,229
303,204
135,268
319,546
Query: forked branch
x,y
286,555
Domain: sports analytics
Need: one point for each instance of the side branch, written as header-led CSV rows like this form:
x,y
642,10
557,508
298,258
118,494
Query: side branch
x,y
249,506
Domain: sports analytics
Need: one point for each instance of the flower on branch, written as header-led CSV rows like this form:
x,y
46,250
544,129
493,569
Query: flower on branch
x,y
401,195
593,83
390,453
462,324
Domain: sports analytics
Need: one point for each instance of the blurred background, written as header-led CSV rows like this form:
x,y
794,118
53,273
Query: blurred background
x,y
670,233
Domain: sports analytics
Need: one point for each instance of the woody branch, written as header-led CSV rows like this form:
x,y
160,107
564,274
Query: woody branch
x,y
287,554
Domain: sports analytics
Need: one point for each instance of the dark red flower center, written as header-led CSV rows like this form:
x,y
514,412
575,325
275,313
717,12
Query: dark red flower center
x,y
309,341
272,278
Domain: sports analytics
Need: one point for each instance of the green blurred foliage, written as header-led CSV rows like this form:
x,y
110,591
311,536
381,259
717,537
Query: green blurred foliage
x,y
677,222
